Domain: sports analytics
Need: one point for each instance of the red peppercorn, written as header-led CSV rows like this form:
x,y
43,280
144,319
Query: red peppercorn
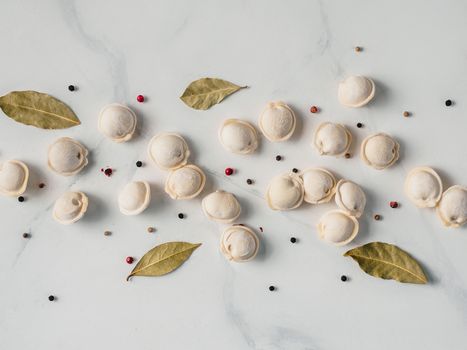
x,y
393,204
229,171
108,172
140,98
314,109
129,260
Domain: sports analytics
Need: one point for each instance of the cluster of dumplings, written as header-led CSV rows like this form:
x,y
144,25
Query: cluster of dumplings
x,y
170,152
316,186
277,122
424,188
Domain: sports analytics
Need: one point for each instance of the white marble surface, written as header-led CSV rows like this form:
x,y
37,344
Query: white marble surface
x,y
295,51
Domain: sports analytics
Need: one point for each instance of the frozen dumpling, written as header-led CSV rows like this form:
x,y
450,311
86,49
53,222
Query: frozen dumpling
x,y
117,122
221,206
14,176
285,192
168,151
185,183
379,151
238,136
350,198
277,121
337,227
452,208
319,185
332,139
239,243
70,207
67,156
134,198
423,186
356,91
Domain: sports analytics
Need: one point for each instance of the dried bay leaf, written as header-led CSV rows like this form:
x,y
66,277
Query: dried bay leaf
x,y
38,109
388,261
163,259
206,92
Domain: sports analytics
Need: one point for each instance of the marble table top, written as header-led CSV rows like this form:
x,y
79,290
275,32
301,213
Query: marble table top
x,y
294,51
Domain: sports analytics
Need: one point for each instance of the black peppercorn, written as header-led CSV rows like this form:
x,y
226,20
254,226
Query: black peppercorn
x,y
139,164
51,298
448,103
41,185
359,125
272,288
278,158
249,181
295,170
181,216
20,199
25,235
343,278
293,239
71,87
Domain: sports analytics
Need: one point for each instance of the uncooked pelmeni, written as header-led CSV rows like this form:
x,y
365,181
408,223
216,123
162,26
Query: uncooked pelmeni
x,y
117,122
338,227
319,185
356,91
70,207
239,243
185,182
350,198
238,136
379,151
285,192
134,198
168,151
423,186
452,208
14,176
277,121
332,139
67,156
221,206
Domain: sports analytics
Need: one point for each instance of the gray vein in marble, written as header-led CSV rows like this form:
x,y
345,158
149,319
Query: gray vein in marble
x,y
275,338
222,177
325,40
114,57
450,280
38,218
